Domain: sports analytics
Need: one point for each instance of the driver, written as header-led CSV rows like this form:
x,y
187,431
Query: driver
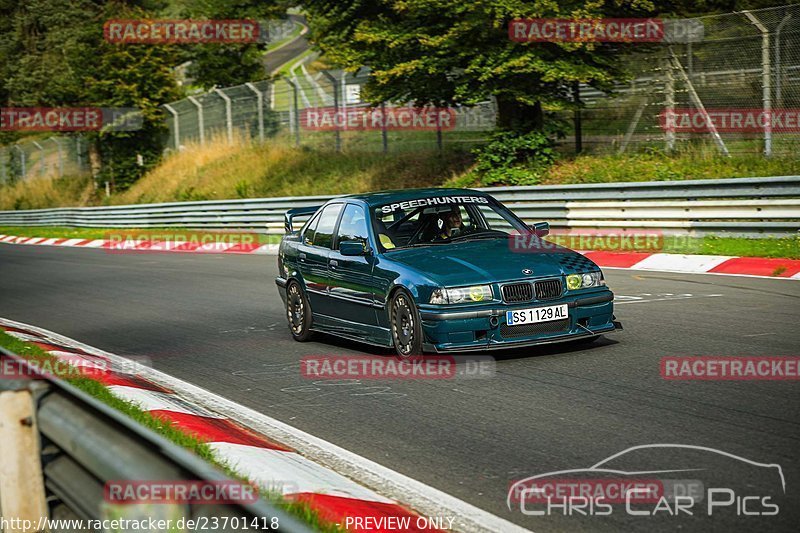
x,y
452,225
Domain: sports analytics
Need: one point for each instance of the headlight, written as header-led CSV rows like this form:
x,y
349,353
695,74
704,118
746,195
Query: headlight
x,y
583,281
458,295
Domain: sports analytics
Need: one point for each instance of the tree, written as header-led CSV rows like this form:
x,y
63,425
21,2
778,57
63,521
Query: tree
x,y
458,52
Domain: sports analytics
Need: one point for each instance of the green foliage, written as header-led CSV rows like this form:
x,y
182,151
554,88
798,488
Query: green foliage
x,y
514,158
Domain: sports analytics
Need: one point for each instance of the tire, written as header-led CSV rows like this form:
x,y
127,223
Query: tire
x,y
298,312
405,325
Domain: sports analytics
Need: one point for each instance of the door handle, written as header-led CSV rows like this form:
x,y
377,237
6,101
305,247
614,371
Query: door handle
x,y
333,264
302,257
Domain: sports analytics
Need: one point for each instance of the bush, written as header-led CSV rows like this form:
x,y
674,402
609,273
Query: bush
x,y
513,158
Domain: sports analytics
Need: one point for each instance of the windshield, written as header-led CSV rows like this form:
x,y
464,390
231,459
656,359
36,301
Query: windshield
x,y
443,220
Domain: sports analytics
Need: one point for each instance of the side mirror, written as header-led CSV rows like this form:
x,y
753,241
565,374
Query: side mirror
x,y
541,228
352,248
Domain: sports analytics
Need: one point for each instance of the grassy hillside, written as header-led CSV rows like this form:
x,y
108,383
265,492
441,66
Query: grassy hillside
x,y
244,169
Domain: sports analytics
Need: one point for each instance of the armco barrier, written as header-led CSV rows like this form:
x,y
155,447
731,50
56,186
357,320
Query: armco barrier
x,y
60,446
742,206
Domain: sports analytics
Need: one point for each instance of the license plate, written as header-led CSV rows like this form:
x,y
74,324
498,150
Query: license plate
x,y
536,314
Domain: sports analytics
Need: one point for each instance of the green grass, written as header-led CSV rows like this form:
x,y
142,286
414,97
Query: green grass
x,y
165,428
784,248
654,166
103,233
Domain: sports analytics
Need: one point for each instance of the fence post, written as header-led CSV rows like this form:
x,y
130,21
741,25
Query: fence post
x,y
42,168
335,107
228,114
260,111
60,157
22,160
576,97
766,82
294,112
778,68
384,136
176,126
669,112
3,169
200,122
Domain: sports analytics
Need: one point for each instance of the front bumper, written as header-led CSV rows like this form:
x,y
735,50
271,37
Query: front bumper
x,y
485,328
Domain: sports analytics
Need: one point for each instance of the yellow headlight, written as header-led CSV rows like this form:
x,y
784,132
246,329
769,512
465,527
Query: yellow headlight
x,y
573,282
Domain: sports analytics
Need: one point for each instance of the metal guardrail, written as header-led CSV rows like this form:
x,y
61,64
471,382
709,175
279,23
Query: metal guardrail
x,y
76,444
741,206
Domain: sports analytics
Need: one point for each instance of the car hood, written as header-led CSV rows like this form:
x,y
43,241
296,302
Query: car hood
x,y
487,261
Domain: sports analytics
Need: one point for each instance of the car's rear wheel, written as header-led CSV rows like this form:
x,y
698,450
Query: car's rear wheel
x,y
298,312
405,324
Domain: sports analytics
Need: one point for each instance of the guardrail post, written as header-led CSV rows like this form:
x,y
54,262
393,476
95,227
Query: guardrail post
x,y
260,100
200,122
331,79
176,127
22,493
228,114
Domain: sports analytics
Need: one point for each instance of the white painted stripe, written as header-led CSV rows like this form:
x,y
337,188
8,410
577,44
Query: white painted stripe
x,y
9,238
71,242
267,249
2,237
421,497
154,400
680,263
290,472
21,240
214,247
82,361
796,276
48,242
35,240
97,243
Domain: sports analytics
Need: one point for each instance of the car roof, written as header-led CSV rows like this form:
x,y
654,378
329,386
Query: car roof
x,y
402,195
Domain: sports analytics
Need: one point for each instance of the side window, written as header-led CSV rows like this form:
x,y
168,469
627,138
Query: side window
x,y
308,234
323,235
353,226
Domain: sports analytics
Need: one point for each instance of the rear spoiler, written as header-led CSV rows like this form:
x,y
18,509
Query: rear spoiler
x,y
297,212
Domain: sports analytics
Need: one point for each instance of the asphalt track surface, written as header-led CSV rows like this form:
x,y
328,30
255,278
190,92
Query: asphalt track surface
x,y
277,58
216,321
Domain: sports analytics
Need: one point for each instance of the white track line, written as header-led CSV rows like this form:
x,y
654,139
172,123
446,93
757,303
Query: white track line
x,y
423,498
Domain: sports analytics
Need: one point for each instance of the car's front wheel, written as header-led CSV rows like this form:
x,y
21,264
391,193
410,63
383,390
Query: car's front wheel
x,y
298,312
405,324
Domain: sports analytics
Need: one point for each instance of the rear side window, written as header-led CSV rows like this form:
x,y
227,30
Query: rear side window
x,y
308,234
323,236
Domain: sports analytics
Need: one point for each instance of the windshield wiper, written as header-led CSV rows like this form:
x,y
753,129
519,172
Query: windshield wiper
x,y
483,235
